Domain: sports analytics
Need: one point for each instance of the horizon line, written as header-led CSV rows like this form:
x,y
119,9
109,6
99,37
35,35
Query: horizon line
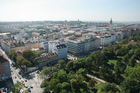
x,y
74,20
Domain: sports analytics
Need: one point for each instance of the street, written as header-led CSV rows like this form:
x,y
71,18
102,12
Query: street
x,y
32,83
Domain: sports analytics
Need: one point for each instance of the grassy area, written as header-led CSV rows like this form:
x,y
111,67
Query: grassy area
x,y
112,61
99,85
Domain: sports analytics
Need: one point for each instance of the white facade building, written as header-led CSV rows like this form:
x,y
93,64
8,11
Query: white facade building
x,y
107,39
61,50
51,46
83,45
45,45
58,48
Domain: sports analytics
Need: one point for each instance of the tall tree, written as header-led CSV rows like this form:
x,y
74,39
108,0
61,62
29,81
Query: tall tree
x,y
21,61
133,72
61,64
16,88
29,55
130,85
108,88
91,84
13,55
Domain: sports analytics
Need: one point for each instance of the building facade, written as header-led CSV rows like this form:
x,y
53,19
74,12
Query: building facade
x,y
47,59
59,48
83,46
5,72
107,39
45,46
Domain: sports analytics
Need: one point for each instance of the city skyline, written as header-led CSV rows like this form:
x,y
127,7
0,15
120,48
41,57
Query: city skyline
x,y
85,10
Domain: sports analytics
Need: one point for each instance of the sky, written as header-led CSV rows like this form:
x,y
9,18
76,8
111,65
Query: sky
x,y
60,10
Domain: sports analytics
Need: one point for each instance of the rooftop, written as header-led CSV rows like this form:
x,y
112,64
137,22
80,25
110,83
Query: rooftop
x,y
61,46
132,42
46,56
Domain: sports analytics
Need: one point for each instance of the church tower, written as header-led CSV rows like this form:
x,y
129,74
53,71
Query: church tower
x,y
111,21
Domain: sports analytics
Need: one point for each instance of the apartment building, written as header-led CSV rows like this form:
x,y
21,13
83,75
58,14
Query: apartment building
x,y
82,44
45,46
59,48
47,59
5,72
107,39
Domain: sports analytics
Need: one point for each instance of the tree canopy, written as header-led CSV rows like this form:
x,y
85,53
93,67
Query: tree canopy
x,y
118,65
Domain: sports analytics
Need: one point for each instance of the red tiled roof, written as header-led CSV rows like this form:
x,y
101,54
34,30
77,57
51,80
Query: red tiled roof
x,y
132,43
22,48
